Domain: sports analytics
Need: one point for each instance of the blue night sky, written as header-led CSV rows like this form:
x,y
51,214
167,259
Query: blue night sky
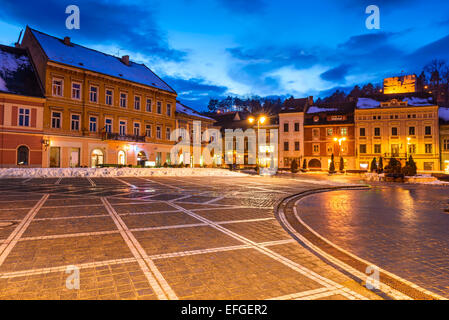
x,y
213,48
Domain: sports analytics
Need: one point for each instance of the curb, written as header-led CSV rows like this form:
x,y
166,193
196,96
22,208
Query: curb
x,y
391,286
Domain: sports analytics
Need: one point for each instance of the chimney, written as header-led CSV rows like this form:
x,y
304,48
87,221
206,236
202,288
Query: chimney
x,y
125,60
311,101
67,41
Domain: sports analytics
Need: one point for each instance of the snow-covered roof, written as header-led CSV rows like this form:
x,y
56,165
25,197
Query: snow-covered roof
x,y
414,101
180,108
17,74
367,103
444,114
315,109
89,59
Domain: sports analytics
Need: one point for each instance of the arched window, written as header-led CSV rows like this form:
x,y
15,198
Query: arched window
x,y
97,158
23,154
121,157
315,164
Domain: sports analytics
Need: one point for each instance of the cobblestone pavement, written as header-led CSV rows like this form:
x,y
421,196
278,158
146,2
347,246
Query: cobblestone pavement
x,y
158,238
402,229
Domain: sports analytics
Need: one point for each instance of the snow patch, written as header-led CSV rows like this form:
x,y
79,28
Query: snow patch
x,y
318,110
10,64
114,172
414,101
444,113
188,111
367,103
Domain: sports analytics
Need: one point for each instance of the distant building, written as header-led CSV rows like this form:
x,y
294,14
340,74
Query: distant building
x,y
329,130
401,84
398,128
100,109
185,116
444,138
291,132
21,110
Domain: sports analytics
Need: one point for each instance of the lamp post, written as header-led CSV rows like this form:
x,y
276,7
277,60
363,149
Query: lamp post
x,y
260,120
339,140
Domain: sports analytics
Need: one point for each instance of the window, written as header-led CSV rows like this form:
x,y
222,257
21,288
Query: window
x,y
24,117
330,149
148,106
76,90
394,131
23,155
93,94
122,128
286,127
412,148
56,120
158,132
428,131
93,124
377,132
57,87
159,107
363,148
446,144
377,148
362,132
296,126
109,97
428,148
136,103
167,133
344,132
136,129
75,122
123,100
316,133
411,131
169,109
395,150
286,146
148,130
316,148
296,145
108,125
330,132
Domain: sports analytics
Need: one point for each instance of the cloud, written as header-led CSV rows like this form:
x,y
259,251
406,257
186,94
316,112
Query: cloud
x,y
436,50
130,27
336,74
195,92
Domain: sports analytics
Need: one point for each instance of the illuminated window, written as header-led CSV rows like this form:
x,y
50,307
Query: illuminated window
x,y
344,131
330,132
57,87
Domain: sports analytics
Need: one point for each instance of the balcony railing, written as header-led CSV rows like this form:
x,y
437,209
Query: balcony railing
x,y
123,137
396,155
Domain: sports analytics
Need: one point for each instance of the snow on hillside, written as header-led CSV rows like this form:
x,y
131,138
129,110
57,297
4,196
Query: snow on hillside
x,y
113,172
444,114
414,101
10,64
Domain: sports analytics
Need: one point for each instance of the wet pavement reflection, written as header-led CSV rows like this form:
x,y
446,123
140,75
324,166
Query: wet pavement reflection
x,y
403,229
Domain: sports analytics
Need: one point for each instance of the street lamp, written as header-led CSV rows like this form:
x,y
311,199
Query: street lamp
x,y
340,140
260,120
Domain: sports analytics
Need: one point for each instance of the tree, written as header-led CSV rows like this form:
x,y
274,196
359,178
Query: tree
x,y
380,168
213,105
394,167
304,164
342,164
410,168
374,165
332,165
294,166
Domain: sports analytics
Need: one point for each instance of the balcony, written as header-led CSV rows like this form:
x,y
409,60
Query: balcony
x,y
126,137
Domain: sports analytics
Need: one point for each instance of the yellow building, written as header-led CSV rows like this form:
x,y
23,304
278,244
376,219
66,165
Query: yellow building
x,y
402,84
444,139
398,128
100,109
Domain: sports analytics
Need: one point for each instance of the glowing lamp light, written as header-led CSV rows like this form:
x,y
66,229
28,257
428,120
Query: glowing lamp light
x,y
262,119
251,120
